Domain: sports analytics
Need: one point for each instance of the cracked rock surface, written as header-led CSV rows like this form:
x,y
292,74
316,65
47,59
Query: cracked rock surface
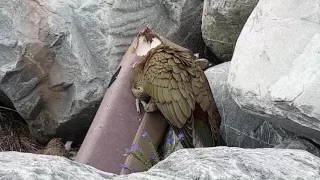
x,y
274,72
20,166
299,143
239,128
222,22
227,163
233,163
57,57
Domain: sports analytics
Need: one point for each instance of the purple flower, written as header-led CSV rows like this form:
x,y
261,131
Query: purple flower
x,y
152,156
180,136
144,134
127,150
122,165
169,140
134,147
132,171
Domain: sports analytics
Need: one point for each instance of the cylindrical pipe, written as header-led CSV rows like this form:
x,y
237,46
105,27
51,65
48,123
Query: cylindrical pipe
x,y
115,124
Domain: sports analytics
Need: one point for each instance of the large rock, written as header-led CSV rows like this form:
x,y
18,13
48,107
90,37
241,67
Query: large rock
x,y
21,166
233,163
201,163
57,57
299,143
239,128
222,22
274,71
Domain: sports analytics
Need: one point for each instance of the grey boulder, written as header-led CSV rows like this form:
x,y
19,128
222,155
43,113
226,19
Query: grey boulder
x,y
233,163
240,128
222,22
200,163
21,166
299,143
57,57
274,72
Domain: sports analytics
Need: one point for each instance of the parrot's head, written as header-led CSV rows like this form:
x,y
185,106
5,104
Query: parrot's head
x,y
147,40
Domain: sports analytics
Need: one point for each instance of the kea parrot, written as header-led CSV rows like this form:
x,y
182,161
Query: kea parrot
x,y
170,80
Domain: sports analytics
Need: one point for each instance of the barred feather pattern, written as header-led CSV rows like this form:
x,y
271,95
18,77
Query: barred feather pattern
x,y
174,80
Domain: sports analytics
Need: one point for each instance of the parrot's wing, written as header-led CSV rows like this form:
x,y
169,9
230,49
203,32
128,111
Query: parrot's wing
x,y
207,113
168,82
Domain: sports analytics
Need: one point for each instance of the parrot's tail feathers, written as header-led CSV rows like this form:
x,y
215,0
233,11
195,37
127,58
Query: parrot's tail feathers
x,y
187,141
204,133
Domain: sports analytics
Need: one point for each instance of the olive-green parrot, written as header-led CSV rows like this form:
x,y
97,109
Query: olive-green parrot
x,y
173,82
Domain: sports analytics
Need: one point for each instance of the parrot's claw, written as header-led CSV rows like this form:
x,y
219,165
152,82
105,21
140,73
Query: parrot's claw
x,y
149,107
134,65
144,104
138,106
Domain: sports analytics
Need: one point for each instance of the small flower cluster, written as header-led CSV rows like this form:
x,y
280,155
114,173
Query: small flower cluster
x,y
122,165
172,145
154,156
170,140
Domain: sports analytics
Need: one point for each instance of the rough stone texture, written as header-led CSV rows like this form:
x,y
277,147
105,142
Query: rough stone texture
x,y
234,163
274,71
57,57
298,143
201,163
239,128
223,21
20,166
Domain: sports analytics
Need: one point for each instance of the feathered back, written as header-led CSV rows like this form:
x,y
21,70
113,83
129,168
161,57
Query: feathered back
x,y
178,85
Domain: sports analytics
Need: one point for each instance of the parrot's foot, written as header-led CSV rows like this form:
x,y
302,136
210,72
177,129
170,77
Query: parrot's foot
x,y
150,107
138,106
